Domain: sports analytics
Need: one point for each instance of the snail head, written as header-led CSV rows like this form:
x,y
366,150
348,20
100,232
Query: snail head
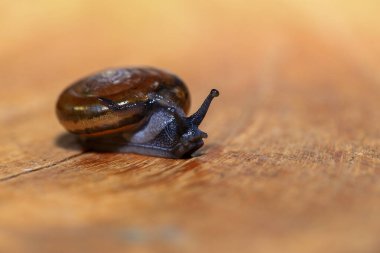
x,y
192,138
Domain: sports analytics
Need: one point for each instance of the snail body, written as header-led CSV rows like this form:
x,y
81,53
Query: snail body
x,y
137,110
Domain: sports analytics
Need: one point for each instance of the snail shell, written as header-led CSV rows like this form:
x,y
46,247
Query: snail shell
x,y
139,110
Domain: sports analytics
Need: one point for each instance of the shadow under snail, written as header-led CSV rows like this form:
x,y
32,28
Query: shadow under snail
x,y
136,110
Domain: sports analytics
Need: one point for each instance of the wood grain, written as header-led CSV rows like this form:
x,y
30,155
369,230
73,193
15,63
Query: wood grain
x,y
292,162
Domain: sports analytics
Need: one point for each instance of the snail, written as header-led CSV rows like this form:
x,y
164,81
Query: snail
x,y
134,110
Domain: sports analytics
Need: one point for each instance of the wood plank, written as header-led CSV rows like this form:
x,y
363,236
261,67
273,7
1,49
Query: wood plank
x,y
293,156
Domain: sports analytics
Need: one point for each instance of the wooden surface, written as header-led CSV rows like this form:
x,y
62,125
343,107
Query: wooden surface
x,y
292,162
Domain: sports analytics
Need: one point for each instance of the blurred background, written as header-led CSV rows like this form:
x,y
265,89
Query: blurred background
x,y
207,43
299,83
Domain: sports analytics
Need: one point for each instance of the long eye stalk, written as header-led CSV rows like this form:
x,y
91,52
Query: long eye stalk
x,y
198,116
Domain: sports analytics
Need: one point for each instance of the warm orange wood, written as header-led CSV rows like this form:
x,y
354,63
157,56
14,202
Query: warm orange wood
x,y
292,160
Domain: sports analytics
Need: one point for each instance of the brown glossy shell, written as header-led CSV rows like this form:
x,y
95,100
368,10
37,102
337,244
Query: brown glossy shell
x,y
80,111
